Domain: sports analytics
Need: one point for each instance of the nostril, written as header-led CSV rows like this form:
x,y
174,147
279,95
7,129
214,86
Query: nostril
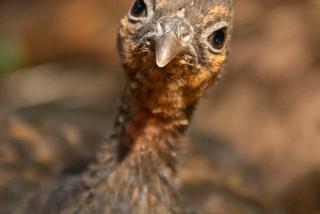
x,y
176,24
164,25
184,32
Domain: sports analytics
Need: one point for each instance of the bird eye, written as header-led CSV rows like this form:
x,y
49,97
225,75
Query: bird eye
x,y
139,10
218,38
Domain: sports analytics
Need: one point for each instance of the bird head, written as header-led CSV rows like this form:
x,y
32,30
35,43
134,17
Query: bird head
x,y
175,43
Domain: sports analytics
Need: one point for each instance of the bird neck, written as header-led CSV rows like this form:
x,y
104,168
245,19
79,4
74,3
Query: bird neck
x,y
137,165
145,120
156,109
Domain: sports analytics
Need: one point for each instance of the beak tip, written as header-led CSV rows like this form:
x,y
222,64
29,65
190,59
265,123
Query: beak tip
x,y
160,63
168,47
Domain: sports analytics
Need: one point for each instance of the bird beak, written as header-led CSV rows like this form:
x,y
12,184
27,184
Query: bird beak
x,y
168,46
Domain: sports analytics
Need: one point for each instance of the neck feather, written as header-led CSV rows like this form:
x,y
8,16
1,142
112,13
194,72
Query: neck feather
x,y
137,164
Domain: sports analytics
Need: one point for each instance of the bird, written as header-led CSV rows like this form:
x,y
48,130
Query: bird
x,y
171,53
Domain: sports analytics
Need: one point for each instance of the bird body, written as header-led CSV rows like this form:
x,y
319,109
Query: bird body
x,y
171,52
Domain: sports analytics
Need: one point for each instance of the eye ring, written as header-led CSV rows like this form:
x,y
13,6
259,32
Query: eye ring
x,y
138,11
216,37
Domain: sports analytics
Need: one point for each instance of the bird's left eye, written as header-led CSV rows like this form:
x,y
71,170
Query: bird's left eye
x,y
218,38
139,10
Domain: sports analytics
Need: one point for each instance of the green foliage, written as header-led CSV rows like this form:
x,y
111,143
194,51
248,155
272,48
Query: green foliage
x,y
10,55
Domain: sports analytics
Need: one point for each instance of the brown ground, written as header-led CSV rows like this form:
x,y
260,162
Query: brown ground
x,y
255,138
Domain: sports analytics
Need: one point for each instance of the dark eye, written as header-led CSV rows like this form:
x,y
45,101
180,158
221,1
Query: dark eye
x,y
218,39
139,9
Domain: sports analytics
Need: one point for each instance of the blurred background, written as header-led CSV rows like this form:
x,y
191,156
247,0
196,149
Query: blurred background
x,y
255,139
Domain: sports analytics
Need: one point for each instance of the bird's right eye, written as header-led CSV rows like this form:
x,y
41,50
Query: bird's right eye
x,y
139,10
